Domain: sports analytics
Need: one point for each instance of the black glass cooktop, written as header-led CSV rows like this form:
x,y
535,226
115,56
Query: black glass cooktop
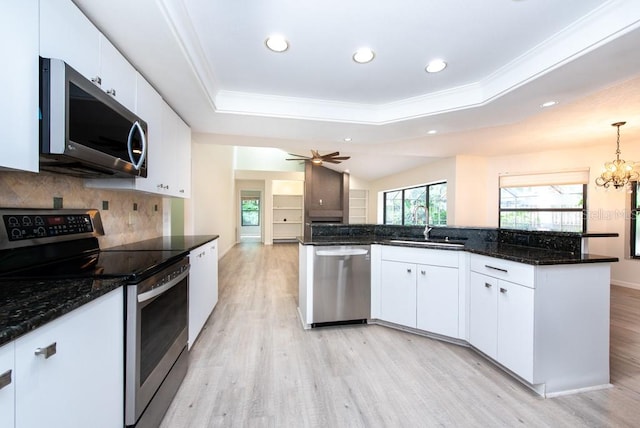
x,y
53,263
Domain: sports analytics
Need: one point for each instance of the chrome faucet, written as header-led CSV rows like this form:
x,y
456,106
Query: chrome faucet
x,y
427,229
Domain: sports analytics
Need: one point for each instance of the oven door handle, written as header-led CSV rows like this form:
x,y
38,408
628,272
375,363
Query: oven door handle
x,y
148,295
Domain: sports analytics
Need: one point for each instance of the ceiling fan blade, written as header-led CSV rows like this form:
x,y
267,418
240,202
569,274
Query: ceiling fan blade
x,y
300,156
341,157
332,160
330,155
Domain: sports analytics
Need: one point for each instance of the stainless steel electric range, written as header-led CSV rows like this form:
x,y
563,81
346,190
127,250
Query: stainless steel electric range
x,y
55,244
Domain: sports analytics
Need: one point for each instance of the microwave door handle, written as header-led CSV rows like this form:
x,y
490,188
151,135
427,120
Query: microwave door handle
x,y
143,137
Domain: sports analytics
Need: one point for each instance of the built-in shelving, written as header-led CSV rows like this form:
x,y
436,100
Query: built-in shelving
x,y
287,217
358,201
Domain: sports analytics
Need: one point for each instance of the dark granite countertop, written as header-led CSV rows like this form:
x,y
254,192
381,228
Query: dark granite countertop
x,y
174,243
516,253
26,304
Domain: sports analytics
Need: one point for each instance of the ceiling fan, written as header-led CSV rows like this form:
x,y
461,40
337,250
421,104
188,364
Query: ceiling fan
x,y
317,158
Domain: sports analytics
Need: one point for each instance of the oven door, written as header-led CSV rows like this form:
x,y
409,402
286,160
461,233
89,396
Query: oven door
x,y
157,320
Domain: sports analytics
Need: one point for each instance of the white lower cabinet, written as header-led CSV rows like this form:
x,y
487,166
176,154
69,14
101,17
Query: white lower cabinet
x,y
398,293
203,287
501,322
437,300
7,385
70,372
419,289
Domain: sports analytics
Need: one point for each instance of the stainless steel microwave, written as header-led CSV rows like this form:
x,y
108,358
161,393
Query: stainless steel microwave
x,y
84,131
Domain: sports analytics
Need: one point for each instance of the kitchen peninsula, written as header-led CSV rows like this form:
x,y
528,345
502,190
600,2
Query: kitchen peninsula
x,y
531,302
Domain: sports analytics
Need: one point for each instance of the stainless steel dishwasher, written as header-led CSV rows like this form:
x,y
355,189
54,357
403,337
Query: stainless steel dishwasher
x,y
341,284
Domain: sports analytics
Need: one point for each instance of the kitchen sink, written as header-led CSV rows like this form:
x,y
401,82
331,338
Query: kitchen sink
x,y
429,243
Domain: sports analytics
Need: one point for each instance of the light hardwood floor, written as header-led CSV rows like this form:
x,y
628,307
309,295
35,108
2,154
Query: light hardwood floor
x,y
254,366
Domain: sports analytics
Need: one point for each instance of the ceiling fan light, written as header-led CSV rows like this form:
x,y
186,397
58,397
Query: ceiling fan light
x,y
277,43
316,161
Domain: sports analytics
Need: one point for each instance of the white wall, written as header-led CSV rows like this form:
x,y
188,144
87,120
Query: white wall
x,y
211,209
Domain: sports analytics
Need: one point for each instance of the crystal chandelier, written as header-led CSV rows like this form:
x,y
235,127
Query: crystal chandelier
x,y
618,173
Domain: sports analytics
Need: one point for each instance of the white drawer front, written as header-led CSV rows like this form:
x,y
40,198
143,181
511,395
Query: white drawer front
x,y
425,256
507,270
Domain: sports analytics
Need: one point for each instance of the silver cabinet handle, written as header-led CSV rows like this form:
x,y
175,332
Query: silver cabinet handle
x,y
5,379
111,92
423,272
47,351
408,270
487,285
181,190
503,290
496,268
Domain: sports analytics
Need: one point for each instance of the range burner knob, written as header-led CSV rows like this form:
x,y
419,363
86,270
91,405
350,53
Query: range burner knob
x,y
13,222
41,232
26,221
16,233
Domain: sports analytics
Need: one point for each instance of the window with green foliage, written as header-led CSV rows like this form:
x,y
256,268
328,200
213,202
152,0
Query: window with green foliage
x,y
409,206
635,221
250,211
559,207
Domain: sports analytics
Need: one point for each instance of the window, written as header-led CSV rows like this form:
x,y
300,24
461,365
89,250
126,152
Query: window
x,y
409,206
635,220
250,208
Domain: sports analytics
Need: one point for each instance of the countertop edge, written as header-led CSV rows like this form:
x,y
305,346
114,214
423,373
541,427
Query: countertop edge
x,y
560,260
13,332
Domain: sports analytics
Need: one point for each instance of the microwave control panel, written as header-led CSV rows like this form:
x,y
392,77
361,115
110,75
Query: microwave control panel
x,y
31,226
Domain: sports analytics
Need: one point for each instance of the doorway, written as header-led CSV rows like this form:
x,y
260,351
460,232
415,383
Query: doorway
x,y
250,216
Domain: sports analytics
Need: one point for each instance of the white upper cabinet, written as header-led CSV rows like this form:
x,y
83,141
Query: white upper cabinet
x,y
19,146
118,76
66,33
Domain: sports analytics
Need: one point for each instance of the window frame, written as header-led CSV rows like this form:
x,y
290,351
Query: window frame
x,y
583,210
634,252
403,191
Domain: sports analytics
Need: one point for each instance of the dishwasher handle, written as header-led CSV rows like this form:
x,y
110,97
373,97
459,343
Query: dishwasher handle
x,y
341,252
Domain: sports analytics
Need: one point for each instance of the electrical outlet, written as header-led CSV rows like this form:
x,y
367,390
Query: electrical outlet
x,y
57,203
132,219
105,205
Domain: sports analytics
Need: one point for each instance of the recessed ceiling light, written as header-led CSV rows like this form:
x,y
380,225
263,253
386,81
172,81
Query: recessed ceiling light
x,y
432,131
347,139
436,66
548,104
277,43
363,55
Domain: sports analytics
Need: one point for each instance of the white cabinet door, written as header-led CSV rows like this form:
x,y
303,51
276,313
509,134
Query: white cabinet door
x,y
81,384
181,159
149,108
197,291
66,34
7,385
483,313
437,300
398,293
212,271
19,139
118,76
515,328
203,287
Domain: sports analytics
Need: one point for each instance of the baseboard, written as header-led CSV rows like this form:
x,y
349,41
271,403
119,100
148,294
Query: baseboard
x,y
626,284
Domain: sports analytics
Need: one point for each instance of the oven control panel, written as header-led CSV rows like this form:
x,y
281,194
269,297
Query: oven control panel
x,y
30,226
24,227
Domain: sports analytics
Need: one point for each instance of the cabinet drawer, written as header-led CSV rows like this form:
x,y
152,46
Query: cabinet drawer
x,y
425,256
507,270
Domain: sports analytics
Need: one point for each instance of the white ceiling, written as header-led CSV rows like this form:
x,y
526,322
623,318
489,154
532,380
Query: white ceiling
x,y
505,57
